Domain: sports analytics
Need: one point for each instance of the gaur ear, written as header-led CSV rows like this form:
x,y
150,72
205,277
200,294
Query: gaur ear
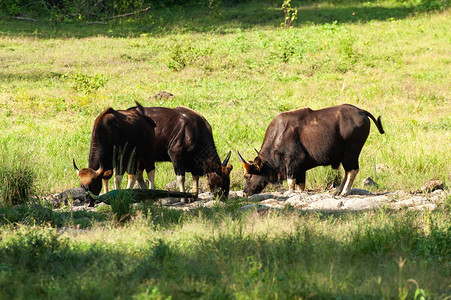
x,y
226,170
108,174
258,162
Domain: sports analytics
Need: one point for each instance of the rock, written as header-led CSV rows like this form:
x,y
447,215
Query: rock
x,y
413,201
369,182
260,197
327,203
298,200
366,203
272,203
236,194
171,186
206,196
213,203
431,186
162,95
72,194
360,192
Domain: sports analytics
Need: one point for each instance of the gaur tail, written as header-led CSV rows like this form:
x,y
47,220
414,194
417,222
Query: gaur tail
x,y
377,122
140,109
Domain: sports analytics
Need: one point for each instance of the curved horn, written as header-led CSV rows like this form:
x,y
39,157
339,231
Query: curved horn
x,y
99,170
258,153
75,166
226,160
241,158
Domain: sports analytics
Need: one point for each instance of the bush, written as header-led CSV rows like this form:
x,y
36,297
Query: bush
x,y
16,184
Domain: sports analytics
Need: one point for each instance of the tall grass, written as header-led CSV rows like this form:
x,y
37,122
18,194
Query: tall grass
x,y
215,254
17,180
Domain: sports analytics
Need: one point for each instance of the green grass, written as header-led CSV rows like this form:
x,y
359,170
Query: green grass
x,y
239,69
228,253
55,82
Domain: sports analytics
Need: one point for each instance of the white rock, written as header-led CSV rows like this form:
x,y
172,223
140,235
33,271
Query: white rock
x,y
326,204
366,203
236,194
414,201
360,192
270,202
206,196
261,197
213,203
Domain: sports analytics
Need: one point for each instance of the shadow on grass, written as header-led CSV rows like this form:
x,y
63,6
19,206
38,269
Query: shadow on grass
x,y
35,214
184,19
40,263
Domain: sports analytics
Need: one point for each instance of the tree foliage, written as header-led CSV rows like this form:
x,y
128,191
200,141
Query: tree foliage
x,y
96,8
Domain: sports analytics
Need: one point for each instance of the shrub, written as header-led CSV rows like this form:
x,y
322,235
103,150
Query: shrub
x,y
16,184
121,207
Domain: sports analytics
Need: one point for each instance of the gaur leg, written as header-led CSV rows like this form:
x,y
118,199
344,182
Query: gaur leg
x,y
140,180
350,163
291,176
349,181
342,184
300,180
142,184
131,181
179,169
291,184
196,184
151,176
181,182
117,182
105,185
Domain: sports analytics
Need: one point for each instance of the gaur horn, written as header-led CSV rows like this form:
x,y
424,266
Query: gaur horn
x,y
75,166
241,158
258,153
226,160
99,170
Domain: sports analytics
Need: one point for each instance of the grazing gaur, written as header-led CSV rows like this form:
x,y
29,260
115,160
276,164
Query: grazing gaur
x,y
121,140
184,137
299,140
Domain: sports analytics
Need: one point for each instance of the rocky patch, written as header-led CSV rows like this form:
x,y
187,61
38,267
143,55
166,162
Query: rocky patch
x,y
358,200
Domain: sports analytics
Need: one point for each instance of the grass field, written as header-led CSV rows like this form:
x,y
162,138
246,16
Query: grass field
x,y
239,69
56,80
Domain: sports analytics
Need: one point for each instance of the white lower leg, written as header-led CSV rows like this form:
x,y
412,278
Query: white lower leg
x,y
131,181
181,183
195,184
350,180
117,182
151,176
291,184
342,184
105,185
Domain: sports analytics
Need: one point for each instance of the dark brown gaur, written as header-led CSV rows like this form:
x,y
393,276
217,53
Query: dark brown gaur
x,y
185,138
121,140
299,140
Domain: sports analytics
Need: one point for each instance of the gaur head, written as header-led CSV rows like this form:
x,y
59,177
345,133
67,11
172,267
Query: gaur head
x,y
255,179
219,180
91,180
